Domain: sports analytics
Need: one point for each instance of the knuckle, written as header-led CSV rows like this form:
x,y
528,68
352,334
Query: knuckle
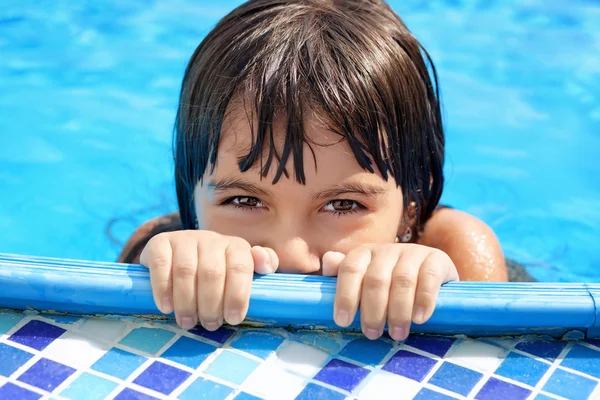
x,y
431,273
212,273
345,300
350,269
240,268
376,282
185,270
402,280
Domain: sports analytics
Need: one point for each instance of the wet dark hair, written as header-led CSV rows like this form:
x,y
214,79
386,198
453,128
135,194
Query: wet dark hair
x,y
352,60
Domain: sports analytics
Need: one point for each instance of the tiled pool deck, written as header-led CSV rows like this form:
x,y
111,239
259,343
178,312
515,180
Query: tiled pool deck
x,y
68,357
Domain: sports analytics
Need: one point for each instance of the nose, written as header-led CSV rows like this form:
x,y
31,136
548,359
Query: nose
x,y
295,256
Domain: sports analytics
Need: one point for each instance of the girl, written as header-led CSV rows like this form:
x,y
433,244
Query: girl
x,y
309,140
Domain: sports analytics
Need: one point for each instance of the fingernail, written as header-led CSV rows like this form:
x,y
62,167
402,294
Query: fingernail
x,y
187,322
234,317
211,326
398,333
373,333
419,315
342,318
167,304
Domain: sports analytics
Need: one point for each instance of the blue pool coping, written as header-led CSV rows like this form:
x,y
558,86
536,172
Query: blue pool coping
x,y
299,301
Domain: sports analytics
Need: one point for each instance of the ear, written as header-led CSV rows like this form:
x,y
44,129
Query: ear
x,y
406,229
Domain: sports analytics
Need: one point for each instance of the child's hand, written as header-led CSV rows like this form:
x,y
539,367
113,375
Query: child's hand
x,y
204,275
394,282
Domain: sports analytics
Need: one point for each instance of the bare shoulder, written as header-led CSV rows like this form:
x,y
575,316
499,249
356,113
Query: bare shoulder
x,y
470,243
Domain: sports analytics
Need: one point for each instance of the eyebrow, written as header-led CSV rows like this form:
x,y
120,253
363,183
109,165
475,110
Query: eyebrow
x,y
362,189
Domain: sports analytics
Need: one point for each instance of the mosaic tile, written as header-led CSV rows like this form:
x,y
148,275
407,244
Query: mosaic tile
x,y
314,392
12,391
220,335
428,394
88,386
75,351
261,383
583,359
62,319
231,367
496,389
100,329
380,384
330,342
548,349
130,394
567,384
8,320
11,359
118,363
46,374
205,389
259,343
437,345
37,334
149,340
342,374
410,365
455,378
543,397
162,378
188,352
476,355
301,358
370,352
246,396
595,342
522,369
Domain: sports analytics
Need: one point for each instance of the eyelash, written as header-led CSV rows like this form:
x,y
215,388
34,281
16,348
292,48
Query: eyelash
x,y
229,202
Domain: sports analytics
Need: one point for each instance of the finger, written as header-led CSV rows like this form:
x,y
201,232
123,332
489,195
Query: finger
x,y
185,264
436,269
331,263
376,290
349,282
238,281
157,257
265,260
402,292
211,283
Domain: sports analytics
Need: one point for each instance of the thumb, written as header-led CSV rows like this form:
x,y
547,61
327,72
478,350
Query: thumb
x,y
331,263
265,260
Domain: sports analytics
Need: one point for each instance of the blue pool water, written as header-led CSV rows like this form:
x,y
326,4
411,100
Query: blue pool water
x,y
88,91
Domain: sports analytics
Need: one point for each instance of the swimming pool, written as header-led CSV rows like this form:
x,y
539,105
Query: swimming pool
x,y
89,92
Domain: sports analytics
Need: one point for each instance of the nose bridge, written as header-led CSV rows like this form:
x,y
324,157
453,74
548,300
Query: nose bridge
x,y
297,255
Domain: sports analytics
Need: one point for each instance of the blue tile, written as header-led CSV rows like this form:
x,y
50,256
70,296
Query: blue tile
x,y
118,363
130,394
342,374
37,334
522,369
543,397
567,384
410,365
258,343
162,378
246,396
437,345
548,349
11,359
89,387
189,352
455,378
583,359
149,340
428,394
366,351
220,335
8,320
495,389
46,374
332,342
316,392
205,389
594,342
231,367
12,391
62,319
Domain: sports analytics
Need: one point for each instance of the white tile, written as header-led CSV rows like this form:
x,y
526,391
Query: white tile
x,y
476,355
300,358
103,329
271,382
75,350
382,385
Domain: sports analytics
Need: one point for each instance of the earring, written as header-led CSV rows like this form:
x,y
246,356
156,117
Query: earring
x,y
406,236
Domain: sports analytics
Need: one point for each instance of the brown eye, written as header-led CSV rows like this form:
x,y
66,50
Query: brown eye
x,y
343,205
241,201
